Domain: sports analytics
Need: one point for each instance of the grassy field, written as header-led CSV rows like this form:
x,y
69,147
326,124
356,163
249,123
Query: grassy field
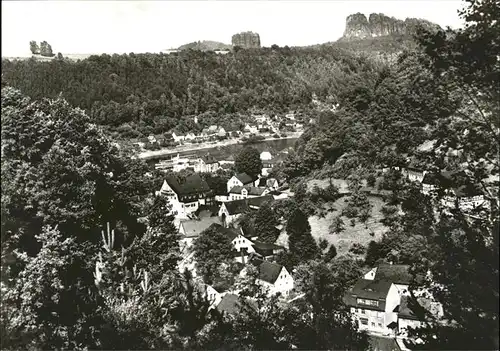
x,y
360,233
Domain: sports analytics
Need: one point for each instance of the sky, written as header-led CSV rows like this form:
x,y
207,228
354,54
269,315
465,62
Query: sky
x,y
84,27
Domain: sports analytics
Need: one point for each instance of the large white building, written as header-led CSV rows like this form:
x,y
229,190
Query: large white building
x,y
206,164
186,195
379,301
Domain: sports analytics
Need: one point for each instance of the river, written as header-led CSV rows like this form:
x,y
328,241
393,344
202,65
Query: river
x,y
230,151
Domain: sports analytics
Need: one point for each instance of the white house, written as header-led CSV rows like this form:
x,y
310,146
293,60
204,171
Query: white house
x,y
269,183
186,195
207,163
372,304
240,192
413,174
273,277
212,129
265,156
213,295
178,137
407,318
190,136
179,163
466,197
251,129
152,139
232,210
240,179
221,133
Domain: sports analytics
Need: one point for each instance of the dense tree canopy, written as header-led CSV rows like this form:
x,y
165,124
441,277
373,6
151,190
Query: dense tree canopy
x,y
139,94
248,161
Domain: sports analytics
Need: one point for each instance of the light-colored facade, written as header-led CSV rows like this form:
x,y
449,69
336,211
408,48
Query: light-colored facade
x,y
202,166
228,218
283,284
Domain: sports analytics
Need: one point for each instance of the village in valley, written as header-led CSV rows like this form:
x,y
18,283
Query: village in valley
x,y
318,190
378,300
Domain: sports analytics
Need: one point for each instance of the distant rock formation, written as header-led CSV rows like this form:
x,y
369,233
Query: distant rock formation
x,y
378,25
246,40
205,45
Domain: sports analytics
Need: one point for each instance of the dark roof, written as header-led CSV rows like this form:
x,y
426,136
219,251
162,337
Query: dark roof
x,y
252,190
266,182
229,232
459,182
244,178
231,304
258,201
236,206
193,228
378,343
266,246
243,205
192,184
369,289
405,312
209,159
395,273
268,271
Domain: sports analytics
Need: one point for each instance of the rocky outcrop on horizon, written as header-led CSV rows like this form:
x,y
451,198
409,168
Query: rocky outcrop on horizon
x,y
246,40
205,45
379,25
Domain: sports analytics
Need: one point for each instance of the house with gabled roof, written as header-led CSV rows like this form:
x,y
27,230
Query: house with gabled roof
x,y
244,192
372,304
273,277
186,194
232,210
240,179
269,183
242,246
178,137
230,304
206,164
407,318
398,274
191,229
457,187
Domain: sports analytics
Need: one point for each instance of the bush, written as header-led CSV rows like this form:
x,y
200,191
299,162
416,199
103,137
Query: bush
x,y
371,180
357,249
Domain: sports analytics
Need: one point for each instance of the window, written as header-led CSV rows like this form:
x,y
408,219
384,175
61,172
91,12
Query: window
x,y
364,321
362,311
373,324
368,302
380,325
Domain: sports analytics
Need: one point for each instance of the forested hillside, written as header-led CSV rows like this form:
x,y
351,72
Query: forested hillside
x,y
437,111
139,94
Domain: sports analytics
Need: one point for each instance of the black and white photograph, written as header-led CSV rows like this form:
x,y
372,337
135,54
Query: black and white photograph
x,y
250,175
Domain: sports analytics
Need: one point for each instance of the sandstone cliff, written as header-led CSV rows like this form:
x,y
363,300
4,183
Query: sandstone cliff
x,y
378,25
246,40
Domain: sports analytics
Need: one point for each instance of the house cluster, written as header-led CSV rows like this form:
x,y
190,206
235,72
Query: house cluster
x,y
248,251
187,195
380,302
207,133
466,196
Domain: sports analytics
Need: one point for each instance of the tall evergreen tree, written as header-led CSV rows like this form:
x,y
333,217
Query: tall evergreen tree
x,y
248,161
265,224
300,241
